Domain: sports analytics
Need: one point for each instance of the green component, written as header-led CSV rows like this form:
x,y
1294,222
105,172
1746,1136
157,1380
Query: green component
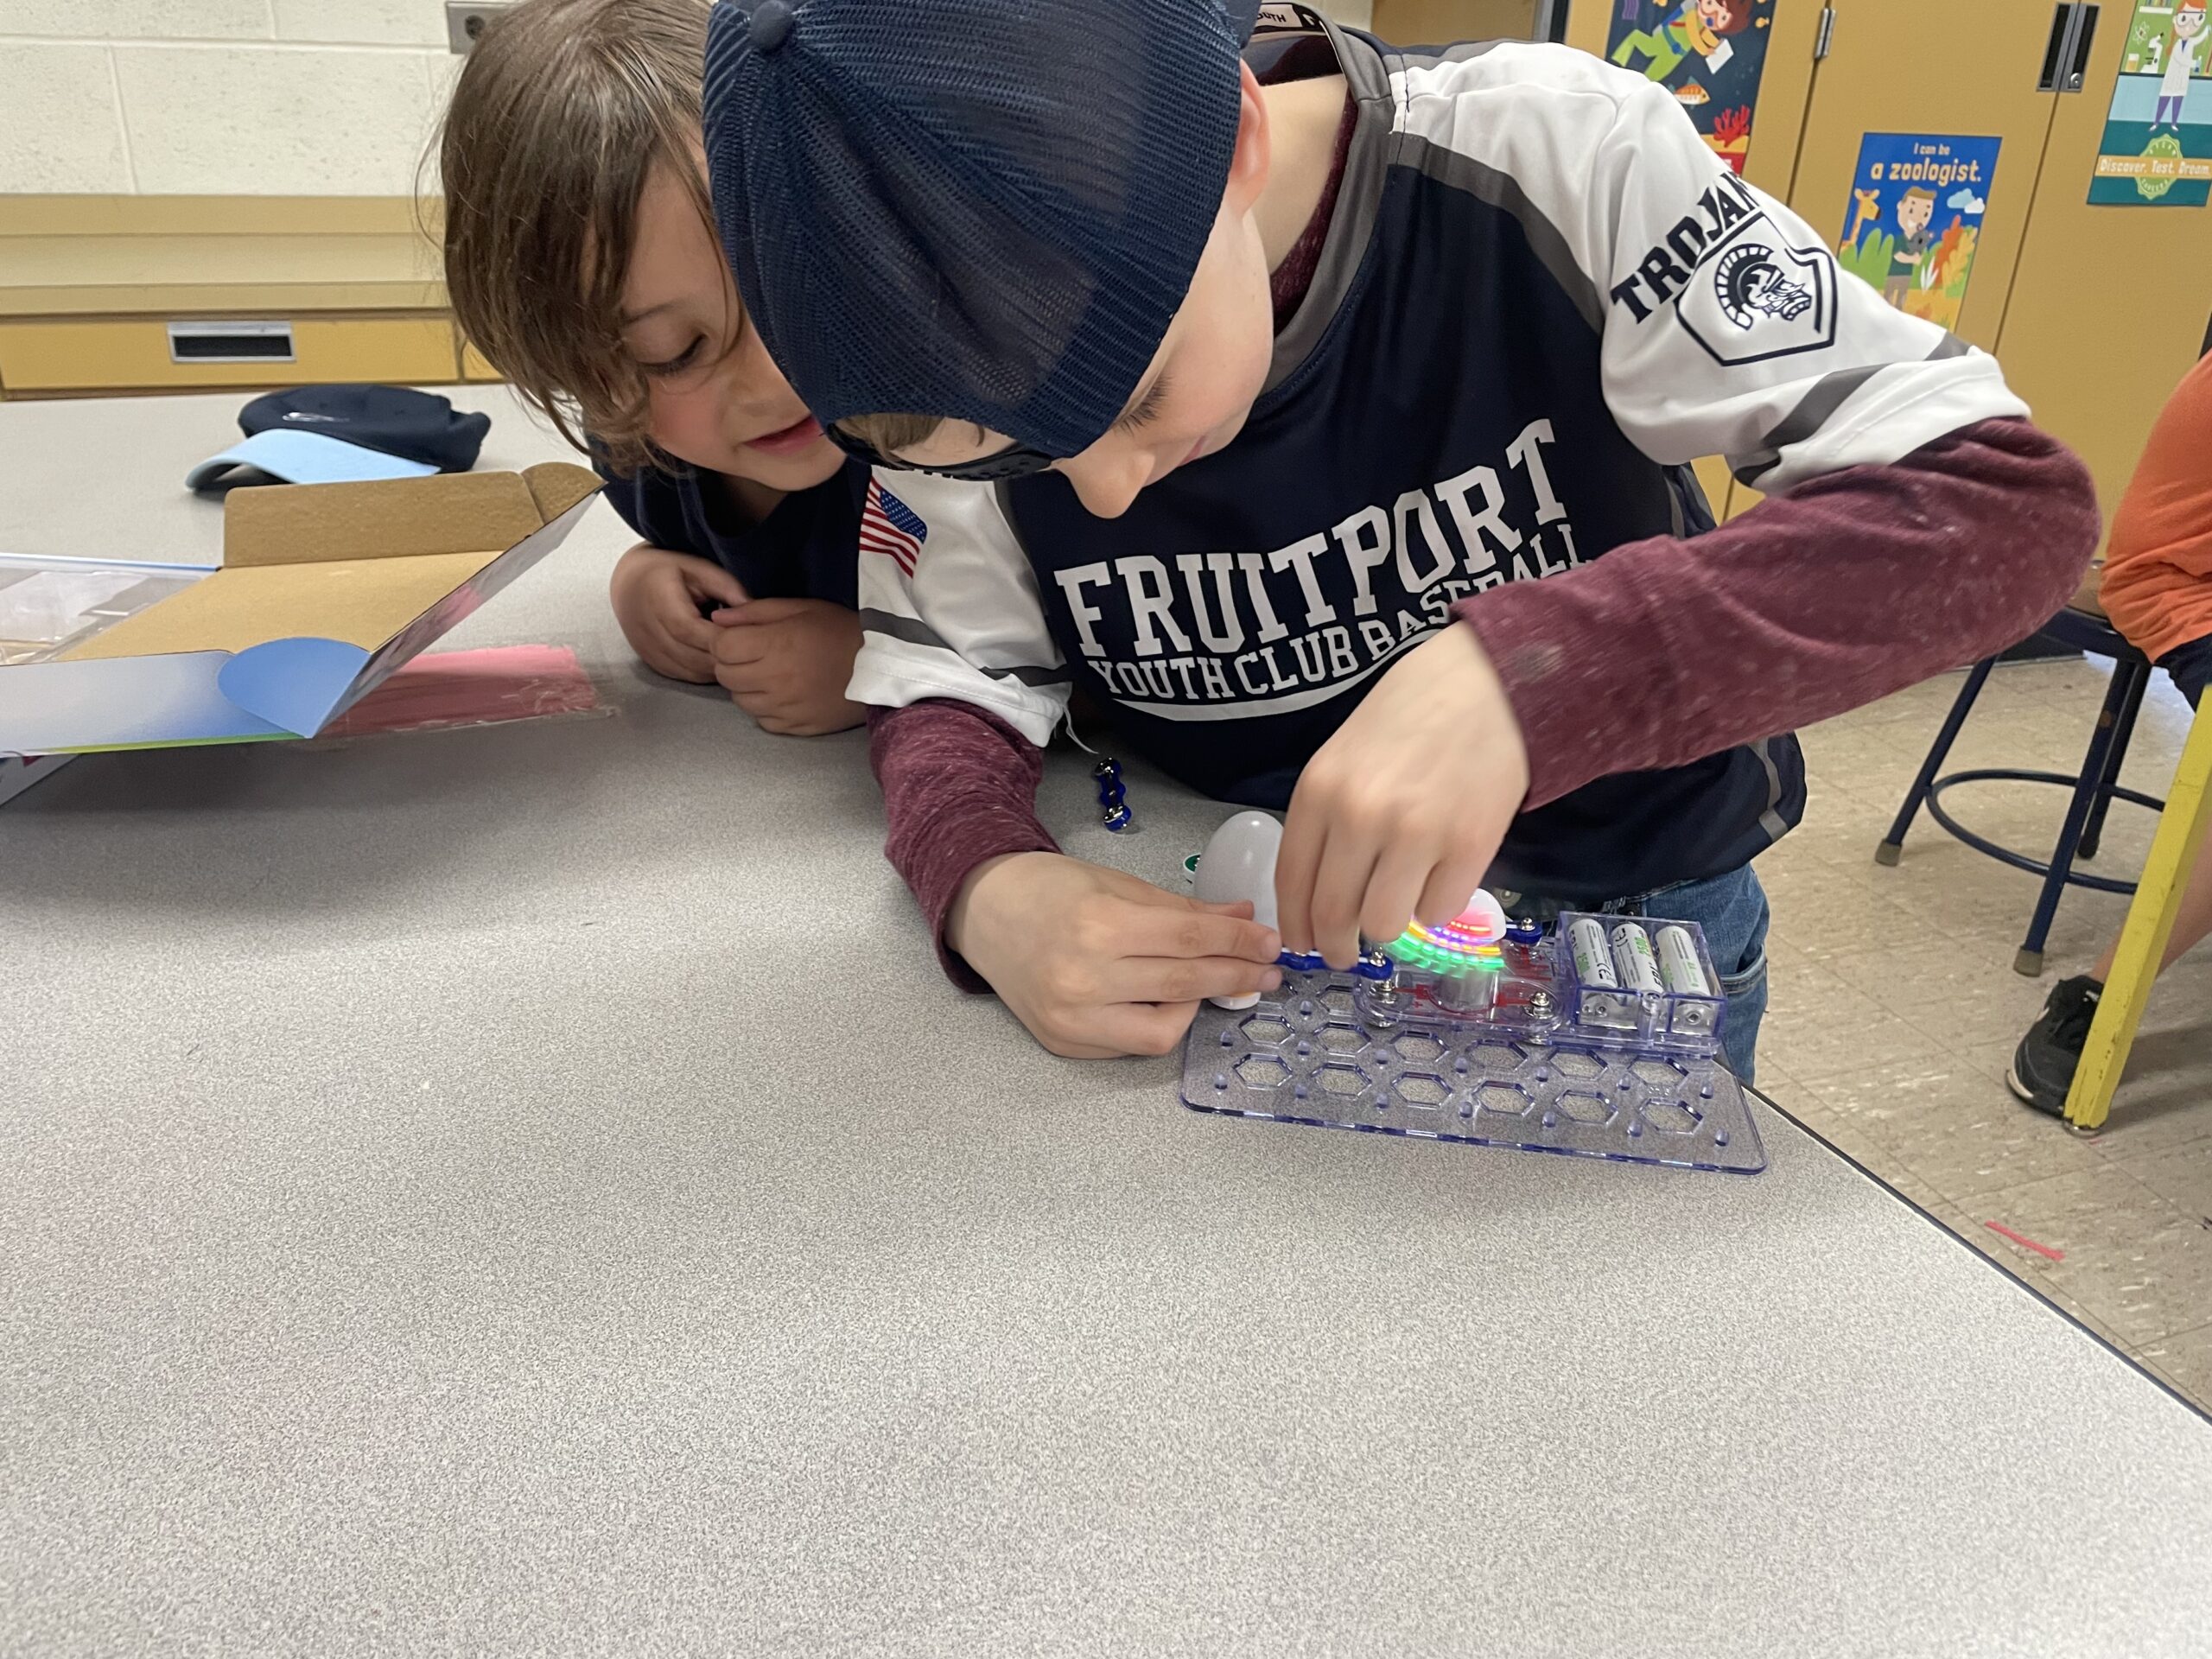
x,y
1411,950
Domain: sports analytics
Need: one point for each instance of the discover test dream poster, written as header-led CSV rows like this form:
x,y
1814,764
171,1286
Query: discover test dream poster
x,y
2157,147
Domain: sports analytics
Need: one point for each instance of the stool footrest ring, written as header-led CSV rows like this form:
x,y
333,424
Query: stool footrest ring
x,y
1989,848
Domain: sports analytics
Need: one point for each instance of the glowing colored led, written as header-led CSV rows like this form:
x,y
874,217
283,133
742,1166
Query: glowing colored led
x,y
1469,942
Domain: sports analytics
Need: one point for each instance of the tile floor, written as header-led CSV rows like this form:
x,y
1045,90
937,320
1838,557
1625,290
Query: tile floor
x,y
1896,1008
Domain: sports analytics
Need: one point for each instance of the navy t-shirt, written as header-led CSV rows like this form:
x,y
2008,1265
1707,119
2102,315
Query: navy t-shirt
x,y
805,549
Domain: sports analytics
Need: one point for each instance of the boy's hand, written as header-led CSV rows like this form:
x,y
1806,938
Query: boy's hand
x,y
786,663
657,595
1399,815
1097,964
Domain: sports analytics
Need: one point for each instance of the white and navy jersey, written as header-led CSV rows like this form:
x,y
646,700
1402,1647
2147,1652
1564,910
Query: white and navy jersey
x,y
1540,297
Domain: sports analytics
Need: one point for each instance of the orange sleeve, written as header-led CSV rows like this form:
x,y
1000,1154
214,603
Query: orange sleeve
x,y
2158,582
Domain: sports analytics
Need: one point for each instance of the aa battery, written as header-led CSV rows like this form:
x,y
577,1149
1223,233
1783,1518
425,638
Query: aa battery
x,y
1639,969
1678,963
1593,963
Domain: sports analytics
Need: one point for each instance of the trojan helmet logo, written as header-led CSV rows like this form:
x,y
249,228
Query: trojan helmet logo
x,y
1758,297
1750,285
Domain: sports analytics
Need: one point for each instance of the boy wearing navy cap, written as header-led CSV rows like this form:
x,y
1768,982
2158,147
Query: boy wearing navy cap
x,y
1325,411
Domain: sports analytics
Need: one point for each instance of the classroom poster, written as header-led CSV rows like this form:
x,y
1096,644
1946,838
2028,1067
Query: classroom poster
x,y
1710,53
1915,219
2157,151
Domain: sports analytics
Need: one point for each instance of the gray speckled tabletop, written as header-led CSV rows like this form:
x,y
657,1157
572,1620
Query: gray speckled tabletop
x,y
528,1190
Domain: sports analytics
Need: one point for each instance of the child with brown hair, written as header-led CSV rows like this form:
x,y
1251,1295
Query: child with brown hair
x,y
581,259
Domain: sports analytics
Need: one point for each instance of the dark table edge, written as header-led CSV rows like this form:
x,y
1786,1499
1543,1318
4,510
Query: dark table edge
x,y
1982,1257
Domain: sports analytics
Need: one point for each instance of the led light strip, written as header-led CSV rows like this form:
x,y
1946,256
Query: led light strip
x,y
1467,942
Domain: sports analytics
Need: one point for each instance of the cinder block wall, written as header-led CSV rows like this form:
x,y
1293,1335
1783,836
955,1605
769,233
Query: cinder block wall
x,y
281,98
220,97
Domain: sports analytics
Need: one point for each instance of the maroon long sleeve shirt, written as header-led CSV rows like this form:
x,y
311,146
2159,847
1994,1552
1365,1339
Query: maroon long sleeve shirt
x,y
1854,585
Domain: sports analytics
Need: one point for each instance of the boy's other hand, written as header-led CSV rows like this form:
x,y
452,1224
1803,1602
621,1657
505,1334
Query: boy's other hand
x,y
786,663
657,595
1399,815
1098,963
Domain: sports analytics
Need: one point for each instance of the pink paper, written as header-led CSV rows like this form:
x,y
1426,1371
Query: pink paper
x,y
472,687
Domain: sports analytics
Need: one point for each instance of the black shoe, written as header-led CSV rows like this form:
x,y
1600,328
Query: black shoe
x,y
2042,1066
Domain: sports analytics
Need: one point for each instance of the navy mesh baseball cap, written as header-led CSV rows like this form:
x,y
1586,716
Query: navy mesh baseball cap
x,y
347,433
983,210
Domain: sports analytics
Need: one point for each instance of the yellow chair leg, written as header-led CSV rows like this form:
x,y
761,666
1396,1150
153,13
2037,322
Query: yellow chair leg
x,y
2142,939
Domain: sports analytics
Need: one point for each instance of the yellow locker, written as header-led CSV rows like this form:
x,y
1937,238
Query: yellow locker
x,y
140,293
474,366
138,354
1435,22
2094,311
1967,67
2108,304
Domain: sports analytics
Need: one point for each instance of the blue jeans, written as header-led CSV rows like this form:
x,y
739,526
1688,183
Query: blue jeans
x,y
2190,666
1732,909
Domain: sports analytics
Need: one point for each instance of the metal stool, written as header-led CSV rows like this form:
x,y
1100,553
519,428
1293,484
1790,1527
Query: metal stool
x,y
2082,626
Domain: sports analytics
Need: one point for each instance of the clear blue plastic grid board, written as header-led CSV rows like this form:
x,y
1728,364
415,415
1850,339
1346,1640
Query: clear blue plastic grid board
x,y
1303,1056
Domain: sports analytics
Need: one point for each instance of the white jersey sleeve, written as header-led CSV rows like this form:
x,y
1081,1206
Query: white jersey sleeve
x,y
949,606
1726,326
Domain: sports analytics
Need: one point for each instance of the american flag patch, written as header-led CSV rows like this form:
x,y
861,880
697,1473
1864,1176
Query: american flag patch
x,y
892,528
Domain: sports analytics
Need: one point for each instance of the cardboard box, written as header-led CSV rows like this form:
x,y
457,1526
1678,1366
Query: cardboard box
x,y
324,590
